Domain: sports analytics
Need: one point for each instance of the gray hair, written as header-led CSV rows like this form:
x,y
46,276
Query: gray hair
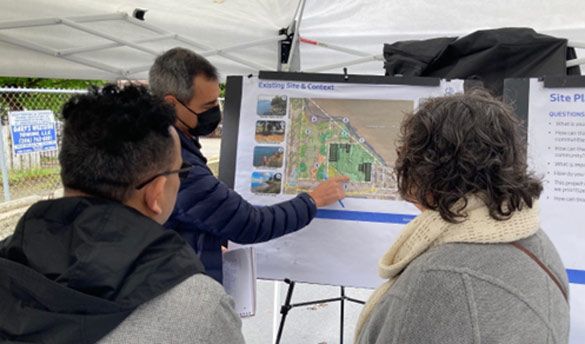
x,y
174,71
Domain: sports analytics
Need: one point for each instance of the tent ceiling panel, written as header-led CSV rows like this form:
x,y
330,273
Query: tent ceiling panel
x,y
210,25
369,17
122,29
203,26
20,62
56,37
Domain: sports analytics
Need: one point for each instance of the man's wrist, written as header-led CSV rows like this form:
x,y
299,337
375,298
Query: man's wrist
x,y
312,199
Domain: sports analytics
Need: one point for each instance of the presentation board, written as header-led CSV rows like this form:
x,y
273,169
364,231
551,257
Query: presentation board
x,y
284,133
555,112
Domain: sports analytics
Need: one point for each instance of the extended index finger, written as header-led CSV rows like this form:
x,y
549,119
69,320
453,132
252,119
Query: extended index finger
x,y
340,179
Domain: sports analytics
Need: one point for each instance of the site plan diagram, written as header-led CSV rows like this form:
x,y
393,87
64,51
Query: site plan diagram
x,y
350,137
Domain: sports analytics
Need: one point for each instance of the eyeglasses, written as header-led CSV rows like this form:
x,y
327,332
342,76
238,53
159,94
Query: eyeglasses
x,y
183,173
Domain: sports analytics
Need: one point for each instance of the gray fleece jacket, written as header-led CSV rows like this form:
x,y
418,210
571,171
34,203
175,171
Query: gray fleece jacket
x,y
475,293
196,311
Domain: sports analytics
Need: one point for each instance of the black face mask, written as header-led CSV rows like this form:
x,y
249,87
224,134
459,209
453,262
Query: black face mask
x,y
207,120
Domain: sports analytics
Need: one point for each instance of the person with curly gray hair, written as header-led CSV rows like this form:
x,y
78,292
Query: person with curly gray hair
x,y
474,266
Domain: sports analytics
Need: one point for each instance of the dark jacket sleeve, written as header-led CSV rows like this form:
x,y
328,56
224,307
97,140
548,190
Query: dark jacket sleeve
x,y
207,204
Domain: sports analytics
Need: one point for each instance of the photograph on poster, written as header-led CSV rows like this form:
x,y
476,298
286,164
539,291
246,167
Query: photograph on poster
x,y
272,105
270,131
268,156
266,182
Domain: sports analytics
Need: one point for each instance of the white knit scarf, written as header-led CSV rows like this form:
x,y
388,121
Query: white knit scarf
x,y
428,230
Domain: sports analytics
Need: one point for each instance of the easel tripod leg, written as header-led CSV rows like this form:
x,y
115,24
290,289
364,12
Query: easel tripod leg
x,y
342,301
285,308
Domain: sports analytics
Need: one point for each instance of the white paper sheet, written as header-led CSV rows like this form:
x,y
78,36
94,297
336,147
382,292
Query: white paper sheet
x,y
239,279
556,152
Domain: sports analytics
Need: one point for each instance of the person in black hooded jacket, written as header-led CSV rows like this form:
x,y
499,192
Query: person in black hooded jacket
x,y
96,265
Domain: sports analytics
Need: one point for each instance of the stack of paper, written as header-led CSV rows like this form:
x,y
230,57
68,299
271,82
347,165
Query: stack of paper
x,y
239,279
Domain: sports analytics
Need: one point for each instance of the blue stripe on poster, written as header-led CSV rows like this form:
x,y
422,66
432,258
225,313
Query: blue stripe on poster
x,y
364,216
576,276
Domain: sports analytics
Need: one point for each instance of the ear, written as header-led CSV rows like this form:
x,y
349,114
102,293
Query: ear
x,y
170,99
152,195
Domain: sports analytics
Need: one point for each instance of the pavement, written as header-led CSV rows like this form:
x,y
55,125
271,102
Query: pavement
x,y
318,323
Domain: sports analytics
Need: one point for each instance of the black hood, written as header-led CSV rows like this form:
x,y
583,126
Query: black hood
x,y
78,266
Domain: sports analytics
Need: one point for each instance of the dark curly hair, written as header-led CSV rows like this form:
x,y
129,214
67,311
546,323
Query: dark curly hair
x,y
114,138
462,145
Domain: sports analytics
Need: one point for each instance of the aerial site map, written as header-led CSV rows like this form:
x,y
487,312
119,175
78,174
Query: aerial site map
x,y
350,137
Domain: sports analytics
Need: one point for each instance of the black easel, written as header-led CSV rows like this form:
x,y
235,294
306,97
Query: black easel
x,y
288,306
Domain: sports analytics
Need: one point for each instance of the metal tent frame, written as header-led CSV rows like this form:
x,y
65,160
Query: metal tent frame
x,y
158,34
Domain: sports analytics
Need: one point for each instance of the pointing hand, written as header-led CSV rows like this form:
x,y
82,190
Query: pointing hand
x,y
329,191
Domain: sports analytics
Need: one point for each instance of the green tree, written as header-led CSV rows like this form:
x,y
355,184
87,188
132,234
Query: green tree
x,y
49,83
222,90
23,101
53,102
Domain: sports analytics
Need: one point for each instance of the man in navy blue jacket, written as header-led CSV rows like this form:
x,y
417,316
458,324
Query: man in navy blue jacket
x,y
207,211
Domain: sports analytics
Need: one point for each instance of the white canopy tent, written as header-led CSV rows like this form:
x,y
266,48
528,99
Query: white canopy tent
x,y
86,39
102,40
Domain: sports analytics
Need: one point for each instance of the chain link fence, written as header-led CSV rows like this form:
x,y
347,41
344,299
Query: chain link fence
x,y
35,176
32,176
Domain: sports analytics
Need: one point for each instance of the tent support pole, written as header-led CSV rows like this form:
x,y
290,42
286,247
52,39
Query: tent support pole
x,y
114,45
228,56
201,46
15,24
335,47
75,23
293,63
44,50
242,46
6,187
80,27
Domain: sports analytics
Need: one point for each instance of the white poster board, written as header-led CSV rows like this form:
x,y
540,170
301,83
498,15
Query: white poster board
x,y
293,135
556,151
